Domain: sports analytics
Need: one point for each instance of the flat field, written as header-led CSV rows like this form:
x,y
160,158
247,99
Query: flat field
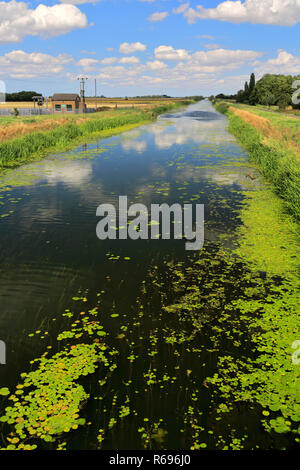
x,y
98,102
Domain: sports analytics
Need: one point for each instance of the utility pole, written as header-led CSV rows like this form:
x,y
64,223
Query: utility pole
x,y
82,85
95,94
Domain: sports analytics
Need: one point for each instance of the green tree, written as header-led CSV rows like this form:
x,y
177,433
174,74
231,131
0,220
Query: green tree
x,y
240,96
251,83
22,96
268,99
284,101
253,98
277,85
246,92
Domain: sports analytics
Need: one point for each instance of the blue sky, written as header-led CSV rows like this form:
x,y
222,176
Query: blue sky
x,y
135,47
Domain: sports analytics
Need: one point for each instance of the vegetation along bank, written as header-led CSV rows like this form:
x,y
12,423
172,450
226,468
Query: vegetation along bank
x,y
273,144
37,141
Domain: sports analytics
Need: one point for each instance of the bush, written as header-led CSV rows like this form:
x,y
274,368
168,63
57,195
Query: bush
x,y
222,107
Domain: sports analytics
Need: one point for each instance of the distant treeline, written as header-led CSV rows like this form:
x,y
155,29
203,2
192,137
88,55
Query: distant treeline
x,y
28,96
195,98
221,96
138,97
156,97
270,90
22,96
151,96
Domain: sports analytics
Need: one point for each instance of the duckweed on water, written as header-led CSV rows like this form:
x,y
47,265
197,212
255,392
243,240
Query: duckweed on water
x,y
203,313
268,238
48,400
269,377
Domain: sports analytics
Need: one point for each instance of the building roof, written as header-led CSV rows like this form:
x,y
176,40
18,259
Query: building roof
x,y
65,97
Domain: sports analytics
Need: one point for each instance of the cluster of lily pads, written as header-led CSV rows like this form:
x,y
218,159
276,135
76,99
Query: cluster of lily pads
x,y
48,400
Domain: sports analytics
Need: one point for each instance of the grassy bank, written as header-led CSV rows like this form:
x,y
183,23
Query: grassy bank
x,y
37,144
276,157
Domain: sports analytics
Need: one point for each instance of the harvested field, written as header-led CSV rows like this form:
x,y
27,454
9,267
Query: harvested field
x,y
17,129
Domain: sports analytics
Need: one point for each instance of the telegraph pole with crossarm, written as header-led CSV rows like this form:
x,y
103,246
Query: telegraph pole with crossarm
x,y
82,85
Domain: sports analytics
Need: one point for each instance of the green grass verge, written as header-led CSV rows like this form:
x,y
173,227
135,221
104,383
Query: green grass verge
x,y
277,165
283,122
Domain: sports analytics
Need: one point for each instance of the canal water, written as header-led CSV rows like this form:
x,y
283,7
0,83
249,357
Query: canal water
x,y
50,257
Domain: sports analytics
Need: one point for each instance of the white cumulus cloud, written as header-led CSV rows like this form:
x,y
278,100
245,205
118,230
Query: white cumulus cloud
x,y
169,53
87,63
129,48
284,63
181,9
20,64
224,56
158,16
17,20
122,60
156,65
78,2
276,12
109,60
129,60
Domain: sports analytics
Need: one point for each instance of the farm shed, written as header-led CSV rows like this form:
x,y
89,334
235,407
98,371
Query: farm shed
x,y
67,103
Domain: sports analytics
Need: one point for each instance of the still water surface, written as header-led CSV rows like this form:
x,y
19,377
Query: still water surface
x,y
49,252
